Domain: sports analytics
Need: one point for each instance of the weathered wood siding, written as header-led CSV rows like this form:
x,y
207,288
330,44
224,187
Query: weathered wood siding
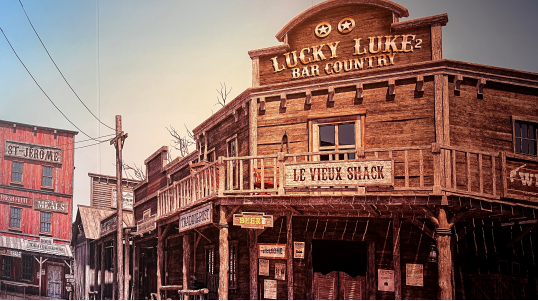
x,y
101,190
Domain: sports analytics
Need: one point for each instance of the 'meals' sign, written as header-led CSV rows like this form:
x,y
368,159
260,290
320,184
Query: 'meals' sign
x,y
339,173
195,218
33,152
51,205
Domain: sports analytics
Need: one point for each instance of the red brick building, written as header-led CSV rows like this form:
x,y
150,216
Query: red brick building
x,y
36,200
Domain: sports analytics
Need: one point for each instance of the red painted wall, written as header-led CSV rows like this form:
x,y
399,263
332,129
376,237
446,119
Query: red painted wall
x,y
32,178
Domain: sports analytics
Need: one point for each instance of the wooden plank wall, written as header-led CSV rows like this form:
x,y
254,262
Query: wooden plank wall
x,y
102,191
227,128
406,119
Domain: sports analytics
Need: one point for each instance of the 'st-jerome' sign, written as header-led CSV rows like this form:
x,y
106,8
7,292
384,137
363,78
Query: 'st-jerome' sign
x,y
33,152
339,173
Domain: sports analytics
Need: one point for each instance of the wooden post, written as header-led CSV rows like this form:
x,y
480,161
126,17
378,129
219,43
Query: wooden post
x,y
127,260
186,260
289,248
118,271
136,268
444,255
371,279
115,272
87,271
224,256
41,262
102,295
281,159
396,226
253,254
222,174
159,261
95,268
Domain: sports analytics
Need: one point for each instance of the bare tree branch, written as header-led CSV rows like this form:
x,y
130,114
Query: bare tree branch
x,y
223,94
138,172
181,143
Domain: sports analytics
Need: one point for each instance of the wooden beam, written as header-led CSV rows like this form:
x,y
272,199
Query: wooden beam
x,y
330,95
224,255
102,271
283,100
230,214
396,226
201,235
289,251
165,232
444,257
463,232
359,89
308,98
521,235
457,217
253,258
419,87
371,278
480,86
186,261
160,258
430,215
422,226
262,104
392,87
457,82
294,210
126,272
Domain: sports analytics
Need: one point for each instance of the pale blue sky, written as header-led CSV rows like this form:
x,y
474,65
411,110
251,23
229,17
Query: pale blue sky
x,y
161,61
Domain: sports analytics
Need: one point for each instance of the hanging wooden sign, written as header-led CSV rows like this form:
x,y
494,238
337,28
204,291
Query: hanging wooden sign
x,y
298,249
269,289
264,267
196,217
33,152
146,224
109,225
127,199
253,220
273,251
414,274
385,280
339,173
280,271
51,205
15,199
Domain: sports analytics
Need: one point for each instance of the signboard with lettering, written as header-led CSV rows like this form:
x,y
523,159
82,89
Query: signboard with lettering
x,y
51,205
146,224
46,245
11,253
15,199
414,274
280,271
195,218
127,199
339,173
264,267
522,177
33,152
272,251
109,225
269,289
385,280
298,249
253,220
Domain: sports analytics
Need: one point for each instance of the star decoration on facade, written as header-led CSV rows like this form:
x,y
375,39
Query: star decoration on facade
x,y
322,30
346,25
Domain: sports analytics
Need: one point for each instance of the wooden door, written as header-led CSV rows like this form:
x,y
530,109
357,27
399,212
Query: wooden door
x,y
351,288
339,286
326,286
54,281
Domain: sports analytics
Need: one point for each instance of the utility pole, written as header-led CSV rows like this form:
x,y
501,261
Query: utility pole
x,y
118,143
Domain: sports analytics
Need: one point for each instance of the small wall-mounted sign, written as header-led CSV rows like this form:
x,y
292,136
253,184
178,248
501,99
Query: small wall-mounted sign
x,y
11,253
146,224
253,220
298,249
280,271
414,274
269,289
272,251
127,199
263,267
385,280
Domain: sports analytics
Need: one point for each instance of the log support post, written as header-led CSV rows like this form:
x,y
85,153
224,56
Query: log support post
x,y
444,254
224,257
222,175
396,226
281,158
95,267
136,268
126,277
186,260
102,272
289,251
159,261
253,254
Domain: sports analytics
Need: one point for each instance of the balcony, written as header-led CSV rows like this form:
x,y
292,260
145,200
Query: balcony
x,y
410,171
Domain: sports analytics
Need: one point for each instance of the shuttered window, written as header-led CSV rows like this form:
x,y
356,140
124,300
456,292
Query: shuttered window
x,y
7,266
47,176
525,137
27,267
233,265
16,172
46,218
15,217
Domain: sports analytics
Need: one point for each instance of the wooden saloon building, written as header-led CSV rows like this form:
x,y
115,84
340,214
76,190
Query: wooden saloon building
x,y
36,199
359,165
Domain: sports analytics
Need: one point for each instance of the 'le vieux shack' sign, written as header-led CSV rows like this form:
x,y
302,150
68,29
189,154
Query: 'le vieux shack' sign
x,y
339,173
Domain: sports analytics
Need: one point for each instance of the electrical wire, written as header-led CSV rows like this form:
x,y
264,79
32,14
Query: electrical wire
x,y
42,88
86,140
61,71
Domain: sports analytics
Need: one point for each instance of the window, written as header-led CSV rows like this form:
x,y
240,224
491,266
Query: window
x,y
336,134
27,267
7,266
47,176
231,151
211,155
16,172
210,259
15,218
46,218
233,265
525,137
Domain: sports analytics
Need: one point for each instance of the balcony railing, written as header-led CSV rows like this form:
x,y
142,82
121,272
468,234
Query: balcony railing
x,y
433,169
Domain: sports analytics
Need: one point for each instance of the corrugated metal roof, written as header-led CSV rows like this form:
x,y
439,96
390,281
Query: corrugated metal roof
x,y
91,220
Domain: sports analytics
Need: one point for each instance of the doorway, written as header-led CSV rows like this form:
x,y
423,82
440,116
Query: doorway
x,y
339,269
54,281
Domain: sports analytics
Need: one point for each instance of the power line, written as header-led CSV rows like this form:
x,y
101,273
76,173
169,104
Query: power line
x,y
90,144
42,88
59,69
86,140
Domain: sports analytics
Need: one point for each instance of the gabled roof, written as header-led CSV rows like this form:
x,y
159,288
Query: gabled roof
x,y
396,8
90,217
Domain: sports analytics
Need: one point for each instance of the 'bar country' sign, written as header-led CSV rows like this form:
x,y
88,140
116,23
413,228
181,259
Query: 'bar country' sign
x,y
33,152
339,173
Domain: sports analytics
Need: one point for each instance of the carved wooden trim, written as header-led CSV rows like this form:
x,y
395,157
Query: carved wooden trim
x,y
480,86
392,87
457,82
420,84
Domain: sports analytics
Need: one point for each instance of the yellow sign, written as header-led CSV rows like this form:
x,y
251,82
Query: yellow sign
x,y
253,220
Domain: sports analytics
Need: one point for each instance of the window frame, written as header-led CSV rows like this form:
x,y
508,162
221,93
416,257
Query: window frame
x,y
11,217
235,169
211,153
29,269
314,133
41,222
525,119
233,274
10,270
21,172
43,176
234,139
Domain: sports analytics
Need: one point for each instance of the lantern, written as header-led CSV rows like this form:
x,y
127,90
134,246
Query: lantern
x,y
433,254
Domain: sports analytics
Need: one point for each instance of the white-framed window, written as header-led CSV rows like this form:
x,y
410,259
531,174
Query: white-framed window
x,y
337,134
16,172
46,180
